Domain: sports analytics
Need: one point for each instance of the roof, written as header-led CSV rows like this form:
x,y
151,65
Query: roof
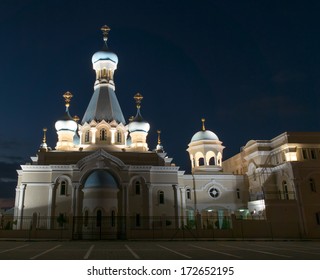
x,y
103,105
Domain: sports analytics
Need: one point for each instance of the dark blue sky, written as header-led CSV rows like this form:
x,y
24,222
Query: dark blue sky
x,y
251,68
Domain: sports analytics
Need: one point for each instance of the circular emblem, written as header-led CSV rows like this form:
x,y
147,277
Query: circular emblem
x,y
214,192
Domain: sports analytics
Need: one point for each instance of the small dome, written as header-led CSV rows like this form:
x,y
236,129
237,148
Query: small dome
x,y
66,123
138,124
101,179
104,55
204,135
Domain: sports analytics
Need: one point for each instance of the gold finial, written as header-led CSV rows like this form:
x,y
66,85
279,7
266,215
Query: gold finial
x,y
105,30
76,118
44,140
159,140
138,97
203,127
67,97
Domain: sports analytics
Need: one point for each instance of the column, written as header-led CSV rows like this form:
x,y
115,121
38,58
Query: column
x,y
51,206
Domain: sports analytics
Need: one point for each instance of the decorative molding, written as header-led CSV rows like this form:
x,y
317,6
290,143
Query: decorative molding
x,y
99,155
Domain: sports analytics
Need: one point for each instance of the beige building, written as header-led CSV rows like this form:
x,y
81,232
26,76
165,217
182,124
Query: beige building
x,y
102,180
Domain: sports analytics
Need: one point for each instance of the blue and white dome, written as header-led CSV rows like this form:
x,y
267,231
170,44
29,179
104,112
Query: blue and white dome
x,y
204,135
104,55
139,124
66,123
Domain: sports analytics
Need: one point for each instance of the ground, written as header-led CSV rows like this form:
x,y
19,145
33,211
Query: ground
x,y
159,250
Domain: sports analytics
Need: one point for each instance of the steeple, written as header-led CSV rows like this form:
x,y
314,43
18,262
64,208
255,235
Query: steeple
x,y
44,146
104,104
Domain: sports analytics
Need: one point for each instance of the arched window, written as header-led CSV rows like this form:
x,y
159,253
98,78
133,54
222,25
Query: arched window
x,y
99,218
312,185
238,193
63,188
188,192
87,136
161,197
137,188
103,134
212,161
201,161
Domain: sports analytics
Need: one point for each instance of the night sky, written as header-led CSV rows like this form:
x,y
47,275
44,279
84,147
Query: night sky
x,y
251,68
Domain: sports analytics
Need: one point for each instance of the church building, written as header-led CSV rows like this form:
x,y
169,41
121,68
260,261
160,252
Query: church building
x,y
103,181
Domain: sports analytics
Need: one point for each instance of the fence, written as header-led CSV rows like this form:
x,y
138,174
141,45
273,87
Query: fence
x,y
133,227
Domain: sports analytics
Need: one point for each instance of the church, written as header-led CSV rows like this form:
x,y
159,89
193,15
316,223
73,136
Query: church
x,y
102,180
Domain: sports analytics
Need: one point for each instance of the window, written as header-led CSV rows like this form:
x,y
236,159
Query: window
x,y
188,192
212,161
238,193
304,154
103,135
285,190
137,188
87,136
313,154
119,137
63,188
312,185
214,192
161,197
201,161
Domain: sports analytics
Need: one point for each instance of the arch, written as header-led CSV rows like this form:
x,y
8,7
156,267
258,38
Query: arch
x,y
63,181
211,158
197,157
201,161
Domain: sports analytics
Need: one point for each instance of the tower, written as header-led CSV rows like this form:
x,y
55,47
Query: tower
x,y
205,150
103,124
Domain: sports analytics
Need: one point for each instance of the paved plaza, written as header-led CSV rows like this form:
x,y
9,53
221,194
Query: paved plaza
x,y
159,250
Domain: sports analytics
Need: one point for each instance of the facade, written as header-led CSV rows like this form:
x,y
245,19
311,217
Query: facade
x,y
102,177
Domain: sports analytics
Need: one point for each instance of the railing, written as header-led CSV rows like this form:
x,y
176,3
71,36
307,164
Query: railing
x,y
155,227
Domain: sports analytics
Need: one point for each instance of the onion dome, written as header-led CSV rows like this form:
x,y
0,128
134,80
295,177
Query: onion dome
x,y
101,179
204,134
105,53
138,123
66,122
